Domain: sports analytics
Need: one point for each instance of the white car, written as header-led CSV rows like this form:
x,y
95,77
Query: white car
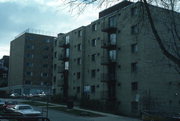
x,y
25,110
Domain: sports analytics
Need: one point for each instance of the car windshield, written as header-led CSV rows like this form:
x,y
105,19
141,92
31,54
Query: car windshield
x,y
24,107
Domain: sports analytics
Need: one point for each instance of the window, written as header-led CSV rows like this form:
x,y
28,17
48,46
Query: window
x,y
45,65
67,52
93,57
28,82
59,56
55,66
54,91
67,40
134,48
45,57
93,42
93,89
79,61
78,90
134,11
55,54
29,38
66,65
112,21
47,40
29,64
54,79
29,73
170,101
30,55
94,27
30,47
112,38
80,33
4,75
112,55
134,67
44,74
134,107
55,43
78,75
79,47
134,29
134,86
93,73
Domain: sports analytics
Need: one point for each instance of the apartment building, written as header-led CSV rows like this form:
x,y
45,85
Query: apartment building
x,y
116,59
30,68
4,65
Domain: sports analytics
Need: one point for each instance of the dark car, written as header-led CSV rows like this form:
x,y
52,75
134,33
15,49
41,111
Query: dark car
x,y
1,104
8,105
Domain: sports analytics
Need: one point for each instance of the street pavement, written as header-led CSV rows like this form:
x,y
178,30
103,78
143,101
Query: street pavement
x,y
61,116
55,115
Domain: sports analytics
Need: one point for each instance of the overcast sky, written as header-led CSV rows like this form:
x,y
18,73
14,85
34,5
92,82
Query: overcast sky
x,y
48,15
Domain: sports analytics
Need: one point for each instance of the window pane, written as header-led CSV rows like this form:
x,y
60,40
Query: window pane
x,y
112,21
67,52
113,39
112,54
66,65
67,40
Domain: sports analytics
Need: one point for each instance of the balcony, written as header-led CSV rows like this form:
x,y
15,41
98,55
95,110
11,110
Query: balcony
x,y
109,45
63,57
63,44
106,27
108,61
62,69
108,77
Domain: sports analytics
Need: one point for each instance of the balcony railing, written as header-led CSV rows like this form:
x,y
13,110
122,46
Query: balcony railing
x,y
106,27
62,69
107,60
109,45
108,77
63,57
63,44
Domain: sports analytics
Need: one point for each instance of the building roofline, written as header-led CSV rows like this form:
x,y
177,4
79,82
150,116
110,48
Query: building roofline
x,y
38,32
114,8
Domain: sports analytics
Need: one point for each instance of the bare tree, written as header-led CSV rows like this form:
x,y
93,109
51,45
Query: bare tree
x,y
172,6
175,55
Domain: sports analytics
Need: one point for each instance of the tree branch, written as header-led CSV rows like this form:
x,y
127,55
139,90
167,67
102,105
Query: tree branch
x,y
158,39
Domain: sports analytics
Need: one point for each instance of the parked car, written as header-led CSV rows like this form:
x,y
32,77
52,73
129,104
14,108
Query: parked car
x,y
15,95
9,104
1,105
25,110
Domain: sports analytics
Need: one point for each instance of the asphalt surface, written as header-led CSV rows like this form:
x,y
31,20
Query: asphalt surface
x,y
55,115
61,116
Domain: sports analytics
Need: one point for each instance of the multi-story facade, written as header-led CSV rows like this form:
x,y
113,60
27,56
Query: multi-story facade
x,y
4,66
30,68
117,59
